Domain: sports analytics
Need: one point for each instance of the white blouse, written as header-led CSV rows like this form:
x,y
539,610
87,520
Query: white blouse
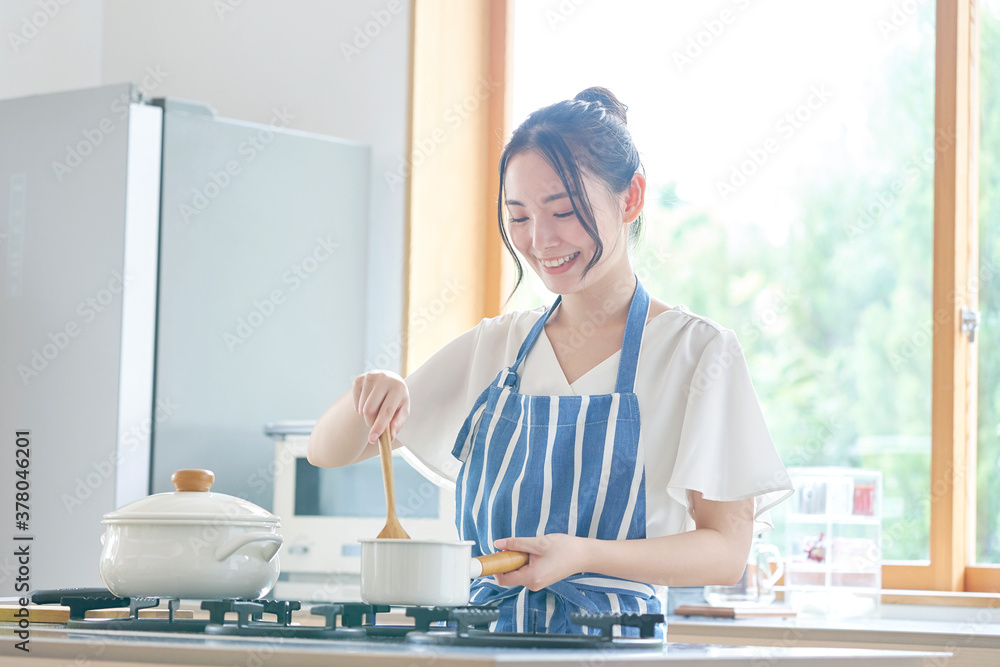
x,y
701,424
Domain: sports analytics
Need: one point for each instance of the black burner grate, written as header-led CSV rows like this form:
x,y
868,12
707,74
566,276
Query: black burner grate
x,y
606,622
443,626
80,605
249,621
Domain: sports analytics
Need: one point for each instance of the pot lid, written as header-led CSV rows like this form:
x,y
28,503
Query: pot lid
x,y
192,501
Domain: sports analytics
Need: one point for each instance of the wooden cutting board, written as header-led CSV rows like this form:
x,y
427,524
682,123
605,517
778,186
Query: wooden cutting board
x,y
734,612
51,613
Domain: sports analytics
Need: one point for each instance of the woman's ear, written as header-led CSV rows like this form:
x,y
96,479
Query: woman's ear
x,y
635,198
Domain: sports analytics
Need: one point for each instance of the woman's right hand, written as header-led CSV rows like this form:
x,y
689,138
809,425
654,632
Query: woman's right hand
x,y
383,400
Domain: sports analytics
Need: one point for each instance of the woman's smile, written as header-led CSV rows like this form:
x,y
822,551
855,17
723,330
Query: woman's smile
x,y
559,264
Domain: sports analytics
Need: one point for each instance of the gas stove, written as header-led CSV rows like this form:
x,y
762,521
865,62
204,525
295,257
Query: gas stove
x,y
266,633
359,622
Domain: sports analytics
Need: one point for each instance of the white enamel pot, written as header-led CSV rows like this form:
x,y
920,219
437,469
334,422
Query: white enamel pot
x,y
426,572
190,544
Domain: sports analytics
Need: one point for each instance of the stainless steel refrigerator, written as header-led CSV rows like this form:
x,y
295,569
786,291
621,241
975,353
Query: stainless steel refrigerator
x,y
171,280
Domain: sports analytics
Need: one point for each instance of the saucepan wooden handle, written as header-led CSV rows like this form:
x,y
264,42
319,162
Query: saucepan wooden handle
x,y
502,561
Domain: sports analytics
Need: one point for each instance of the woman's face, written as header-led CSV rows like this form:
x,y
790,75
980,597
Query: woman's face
x,y
546,231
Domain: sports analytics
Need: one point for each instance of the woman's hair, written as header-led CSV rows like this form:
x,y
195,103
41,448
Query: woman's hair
x,y
587,134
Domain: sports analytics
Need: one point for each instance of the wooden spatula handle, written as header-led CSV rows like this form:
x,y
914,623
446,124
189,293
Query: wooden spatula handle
x,y
385,453
502,561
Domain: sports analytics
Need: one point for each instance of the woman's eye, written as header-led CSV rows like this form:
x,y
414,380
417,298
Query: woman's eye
x,y
565,215
519,219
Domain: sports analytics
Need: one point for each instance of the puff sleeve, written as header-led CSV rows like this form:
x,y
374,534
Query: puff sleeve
x,y
725,450
442,392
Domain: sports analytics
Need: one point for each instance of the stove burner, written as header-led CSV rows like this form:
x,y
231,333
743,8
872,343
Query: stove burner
x,y
472,630
79,606
249,623
248,611
606,622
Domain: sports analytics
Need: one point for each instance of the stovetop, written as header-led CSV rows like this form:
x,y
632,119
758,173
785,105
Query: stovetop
x,y
355,621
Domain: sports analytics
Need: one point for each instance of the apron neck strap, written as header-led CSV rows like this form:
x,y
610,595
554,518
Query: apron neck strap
x,y
631,342
532,336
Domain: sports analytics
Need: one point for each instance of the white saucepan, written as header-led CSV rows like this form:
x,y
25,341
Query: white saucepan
x,y
426,572
190,544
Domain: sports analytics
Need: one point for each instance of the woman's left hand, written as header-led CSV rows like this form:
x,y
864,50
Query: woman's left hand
x,y
551,558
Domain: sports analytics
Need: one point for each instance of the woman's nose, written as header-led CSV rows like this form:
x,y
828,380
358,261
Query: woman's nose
x,y
544,235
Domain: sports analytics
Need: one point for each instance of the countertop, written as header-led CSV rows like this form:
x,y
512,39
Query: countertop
x,y
55,645
970,627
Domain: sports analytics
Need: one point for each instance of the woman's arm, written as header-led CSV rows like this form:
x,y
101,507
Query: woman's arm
x,y
715,553
349,429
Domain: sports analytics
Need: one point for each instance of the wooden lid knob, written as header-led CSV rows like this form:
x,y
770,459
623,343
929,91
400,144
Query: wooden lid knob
x,y
193,480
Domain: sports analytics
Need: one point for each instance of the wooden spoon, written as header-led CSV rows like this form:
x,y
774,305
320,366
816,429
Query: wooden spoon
x,y
392,528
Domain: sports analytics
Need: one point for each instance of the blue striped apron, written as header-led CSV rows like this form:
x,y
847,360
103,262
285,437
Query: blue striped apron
x,y
535,465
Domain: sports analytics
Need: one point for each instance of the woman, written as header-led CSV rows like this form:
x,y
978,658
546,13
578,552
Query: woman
x,y
618,472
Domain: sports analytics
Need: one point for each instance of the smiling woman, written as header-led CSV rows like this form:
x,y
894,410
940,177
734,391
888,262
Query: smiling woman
x,y
610,468
547,149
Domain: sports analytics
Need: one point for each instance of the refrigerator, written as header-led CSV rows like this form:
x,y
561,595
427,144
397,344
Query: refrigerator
x,y
172,280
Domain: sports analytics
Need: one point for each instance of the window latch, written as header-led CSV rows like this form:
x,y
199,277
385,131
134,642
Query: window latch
x,y
970,323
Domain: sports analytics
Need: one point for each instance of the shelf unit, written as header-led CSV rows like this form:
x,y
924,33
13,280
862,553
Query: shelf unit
x,y
833,565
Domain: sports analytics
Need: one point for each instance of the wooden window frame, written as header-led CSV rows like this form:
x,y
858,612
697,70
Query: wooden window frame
x,y
457,48
956,265
448,35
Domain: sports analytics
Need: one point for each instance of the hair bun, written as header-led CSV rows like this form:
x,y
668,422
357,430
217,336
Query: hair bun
x,y
606,99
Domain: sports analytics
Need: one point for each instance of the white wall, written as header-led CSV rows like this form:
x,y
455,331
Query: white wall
x,y
48,46
247,58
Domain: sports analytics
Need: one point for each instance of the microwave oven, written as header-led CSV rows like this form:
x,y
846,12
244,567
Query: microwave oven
x,y
324,511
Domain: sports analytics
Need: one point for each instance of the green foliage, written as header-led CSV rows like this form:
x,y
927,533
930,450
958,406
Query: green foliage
x,y
842,363
988,456
837,320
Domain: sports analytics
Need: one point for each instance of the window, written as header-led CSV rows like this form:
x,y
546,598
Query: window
x,y
987,524
790,151
809,176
